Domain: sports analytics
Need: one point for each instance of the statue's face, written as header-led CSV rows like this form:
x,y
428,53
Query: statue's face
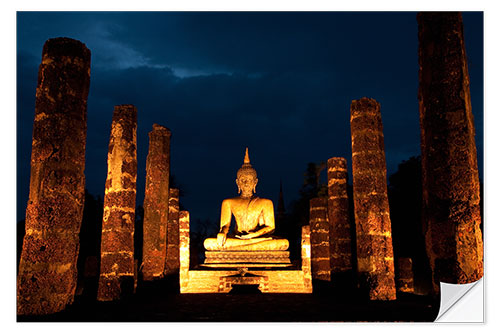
x,y
246,184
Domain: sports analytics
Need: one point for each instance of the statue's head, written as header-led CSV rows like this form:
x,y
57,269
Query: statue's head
x,y
246,178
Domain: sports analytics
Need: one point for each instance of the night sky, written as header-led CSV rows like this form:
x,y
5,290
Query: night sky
x,y
280,84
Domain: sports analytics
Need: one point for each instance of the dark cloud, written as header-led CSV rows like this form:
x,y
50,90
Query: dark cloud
x,y
279,83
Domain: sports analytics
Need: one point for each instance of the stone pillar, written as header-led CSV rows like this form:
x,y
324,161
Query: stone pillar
x,y
154,248
371,206
184,249
405,275
172,261
47,270
117,239
306,257
338,216
320,239
450,178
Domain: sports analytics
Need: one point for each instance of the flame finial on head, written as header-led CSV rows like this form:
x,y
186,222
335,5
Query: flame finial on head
x,y
246,160
246,167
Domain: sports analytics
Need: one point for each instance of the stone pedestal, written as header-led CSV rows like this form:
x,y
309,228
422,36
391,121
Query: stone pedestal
x,y
451,211
154,248
172,261
117,241
338,216
320,239
47,270
371,206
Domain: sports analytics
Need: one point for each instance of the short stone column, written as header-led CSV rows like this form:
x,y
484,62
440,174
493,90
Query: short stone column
x,y
451,211
154,248
184,249
371,205
47,270
405,275
306,257
320,239
172,261
117,240
338,216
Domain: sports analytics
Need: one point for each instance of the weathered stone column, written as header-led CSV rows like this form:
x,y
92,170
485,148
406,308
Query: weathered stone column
x,y
184,249
154,248
320,239
451,211
306,256
47,270
338,216
117,240
172,261
405,275
373,223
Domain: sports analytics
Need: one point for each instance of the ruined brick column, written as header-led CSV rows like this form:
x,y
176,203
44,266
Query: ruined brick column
x,y
172,261
371,206
184,249
320,239
47,270
405,275
117,240
450,178
306,256
154,248
338,216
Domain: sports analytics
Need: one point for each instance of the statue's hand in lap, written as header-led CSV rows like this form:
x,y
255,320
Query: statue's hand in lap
x,y
247,236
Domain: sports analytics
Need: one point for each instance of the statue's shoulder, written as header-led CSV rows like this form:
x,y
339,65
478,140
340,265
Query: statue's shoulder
x,y
263,201
229,201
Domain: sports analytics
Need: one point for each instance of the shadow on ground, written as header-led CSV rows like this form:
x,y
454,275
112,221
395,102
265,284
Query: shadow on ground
x,y
160,301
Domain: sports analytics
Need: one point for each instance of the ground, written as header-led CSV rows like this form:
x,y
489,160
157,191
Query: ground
x,y
161,301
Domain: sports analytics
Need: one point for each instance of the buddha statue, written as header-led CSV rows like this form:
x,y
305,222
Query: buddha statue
x,y
254,218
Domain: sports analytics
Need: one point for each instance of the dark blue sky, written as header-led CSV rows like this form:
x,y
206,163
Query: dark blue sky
x,y
279,83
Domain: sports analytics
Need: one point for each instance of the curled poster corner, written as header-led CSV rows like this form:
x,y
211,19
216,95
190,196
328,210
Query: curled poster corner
x,y
461,303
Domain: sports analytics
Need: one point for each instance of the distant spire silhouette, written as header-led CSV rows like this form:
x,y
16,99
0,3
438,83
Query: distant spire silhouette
x,y
281,204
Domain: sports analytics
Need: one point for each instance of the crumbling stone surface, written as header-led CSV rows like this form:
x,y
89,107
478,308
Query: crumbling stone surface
x,y
184,250
405,275
172,261
451,211
338,216
371,205
117,240
320,239
47,270
154,249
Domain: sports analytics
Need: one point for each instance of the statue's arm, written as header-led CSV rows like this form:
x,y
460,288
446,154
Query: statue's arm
x,y
225,222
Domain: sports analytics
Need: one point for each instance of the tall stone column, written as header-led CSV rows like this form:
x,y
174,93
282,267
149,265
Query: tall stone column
x,y
117,240
172,261
338,216
184,249
450,178
320,239
405,275
371,206
154,248
47,270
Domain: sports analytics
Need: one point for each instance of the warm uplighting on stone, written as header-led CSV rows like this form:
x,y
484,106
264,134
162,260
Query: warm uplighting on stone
x,y
373,224
405,275
47,270
320,239
338,216
154,249
183,250
172,260
451,211
117,241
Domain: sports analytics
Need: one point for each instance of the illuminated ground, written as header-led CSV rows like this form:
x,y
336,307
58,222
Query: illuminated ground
x,y
160,301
